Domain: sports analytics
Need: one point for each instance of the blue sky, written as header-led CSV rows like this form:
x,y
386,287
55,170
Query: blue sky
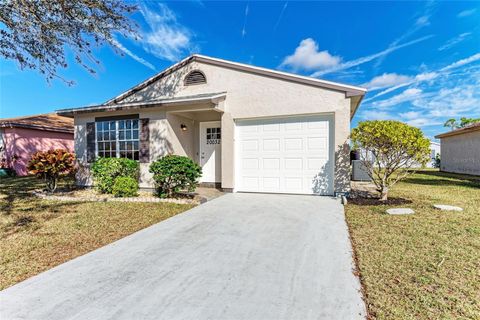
x,y
420,60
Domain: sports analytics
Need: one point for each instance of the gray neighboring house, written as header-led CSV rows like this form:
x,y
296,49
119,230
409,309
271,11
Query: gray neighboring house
x,y
460,150
251,129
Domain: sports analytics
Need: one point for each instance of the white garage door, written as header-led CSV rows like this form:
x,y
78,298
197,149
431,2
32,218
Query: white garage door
x,y
288,155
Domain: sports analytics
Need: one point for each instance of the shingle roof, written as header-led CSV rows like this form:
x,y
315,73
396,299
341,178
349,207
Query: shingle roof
x,y
198,98
469,128
46,122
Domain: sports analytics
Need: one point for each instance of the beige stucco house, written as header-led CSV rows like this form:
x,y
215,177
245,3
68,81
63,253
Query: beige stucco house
x,y
460,150
251,129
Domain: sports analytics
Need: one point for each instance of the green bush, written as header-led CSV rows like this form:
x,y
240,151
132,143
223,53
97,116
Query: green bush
x,y
51,166
106,170
174,173
125,187
389,149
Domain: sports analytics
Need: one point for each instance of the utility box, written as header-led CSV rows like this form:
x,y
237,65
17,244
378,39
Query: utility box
x,y
359,171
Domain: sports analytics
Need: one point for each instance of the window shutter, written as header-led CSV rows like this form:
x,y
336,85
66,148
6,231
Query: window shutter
x,y
144,141
90,141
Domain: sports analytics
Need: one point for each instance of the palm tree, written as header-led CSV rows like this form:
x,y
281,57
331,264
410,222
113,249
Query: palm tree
x,y
452,123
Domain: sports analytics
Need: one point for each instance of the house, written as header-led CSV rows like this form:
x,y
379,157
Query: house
x,y
21,137
460,150
251,129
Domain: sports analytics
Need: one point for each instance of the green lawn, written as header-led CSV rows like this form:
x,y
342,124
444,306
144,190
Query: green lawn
x,y
36,235
423,266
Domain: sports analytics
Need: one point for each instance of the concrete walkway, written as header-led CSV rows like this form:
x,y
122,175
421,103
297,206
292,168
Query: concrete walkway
x,y
240,256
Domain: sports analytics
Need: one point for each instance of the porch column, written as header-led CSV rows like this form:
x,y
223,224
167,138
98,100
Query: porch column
x,y
228,152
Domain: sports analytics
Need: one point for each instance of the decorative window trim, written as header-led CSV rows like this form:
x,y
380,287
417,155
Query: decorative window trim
x,y
190,82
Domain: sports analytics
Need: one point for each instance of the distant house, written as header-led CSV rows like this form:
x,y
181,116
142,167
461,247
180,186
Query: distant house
x,y
23,136
460,150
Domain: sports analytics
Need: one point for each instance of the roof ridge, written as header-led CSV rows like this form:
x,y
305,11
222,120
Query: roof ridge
x,y
206,59
280,72
27,116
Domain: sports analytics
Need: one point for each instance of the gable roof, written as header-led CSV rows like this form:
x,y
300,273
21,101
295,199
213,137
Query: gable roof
x,y
45,122
467,129
350,91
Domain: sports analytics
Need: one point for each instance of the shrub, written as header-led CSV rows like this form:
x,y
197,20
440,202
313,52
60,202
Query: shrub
x,y
174,173
437,161
52,165
389,150
125,187
106,170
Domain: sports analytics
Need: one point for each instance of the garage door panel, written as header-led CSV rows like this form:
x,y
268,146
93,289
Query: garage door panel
x,y
250,183
249,145
293,126
316,163
271,127
293,144
285,155
271,144
271,183
317,143
250,164
271,163
293,164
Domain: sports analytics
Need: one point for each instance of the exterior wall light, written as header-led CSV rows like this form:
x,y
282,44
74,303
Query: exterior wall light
x,y
183,127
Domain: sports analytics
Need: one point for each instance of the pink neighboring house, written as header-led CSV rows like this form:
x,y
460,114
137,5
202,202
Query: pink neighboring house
x,y
21,137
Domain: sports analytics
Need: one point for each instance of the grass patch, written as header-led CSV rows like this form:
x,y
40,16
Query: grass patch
x,y
426,265
36,235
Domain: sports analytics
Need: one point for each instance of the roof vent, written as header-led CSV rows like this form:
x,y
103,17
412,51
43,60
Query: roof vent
x,y
195,77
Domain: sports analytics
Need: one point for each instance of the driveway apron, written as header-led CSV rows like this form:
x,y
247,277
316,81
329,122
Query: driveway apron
x,y
240,256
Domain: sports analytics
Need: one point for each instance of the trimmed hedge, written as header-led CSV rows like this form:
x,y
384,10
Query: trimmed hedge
x,y
173,173
125,187
106,170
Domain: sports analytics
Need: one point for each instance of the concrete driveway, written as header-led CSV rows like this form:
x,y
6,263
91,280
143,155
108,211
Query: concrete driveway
x,y
240,256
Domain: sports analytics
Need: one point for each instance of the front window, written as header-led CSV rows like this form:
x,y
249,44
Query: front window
x,y
118,138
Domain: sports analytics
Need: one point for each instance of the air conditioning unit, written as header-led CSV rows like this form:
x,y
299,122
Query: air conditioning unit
x,y
359,171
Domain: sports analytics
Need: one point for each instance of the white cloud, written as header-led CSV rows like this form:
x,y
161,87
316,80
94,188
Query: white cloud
x,y
362,60
466,13
133,55
421,22
410,115
454,101
280,16
452,42
418,119
167,39
433,97
407,95
423,122
376,115
462,62
308,57
244,29
387,80
429,76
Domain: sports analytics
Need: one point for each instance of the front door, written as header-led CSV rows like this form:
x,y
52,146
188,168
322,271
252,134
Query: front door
x,y
210,151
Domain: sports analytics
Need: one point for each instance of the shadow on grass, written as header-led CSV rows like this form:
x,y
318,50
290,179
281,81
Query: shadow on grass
x,y
18,202
376,201
438,178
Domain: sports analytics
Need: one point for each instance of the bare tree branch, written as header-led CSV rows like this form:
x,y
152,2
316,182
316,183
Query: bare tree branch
x,y
36,33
